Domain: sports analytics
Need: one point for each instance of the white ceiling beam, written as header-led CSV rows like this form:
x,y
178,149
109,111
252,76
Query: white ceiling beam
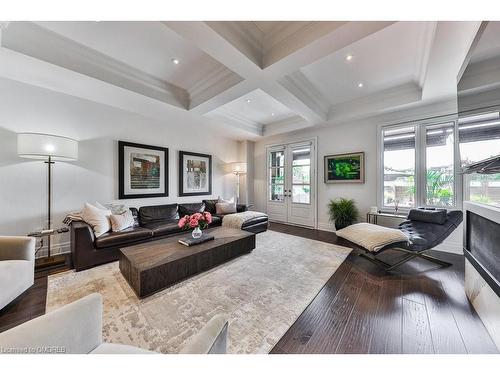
x,y
209,41
340,37
284,96
29,70
452,41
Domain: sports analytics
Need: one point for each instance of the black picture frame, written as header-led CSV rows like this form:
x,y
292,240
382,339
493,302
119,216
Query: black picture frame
x,y
182,155
121,170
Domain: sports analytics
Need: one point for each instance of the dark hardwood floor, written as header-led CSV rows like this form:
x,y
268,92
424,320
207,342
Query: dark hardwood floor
x,y
421,308
31,303
361,309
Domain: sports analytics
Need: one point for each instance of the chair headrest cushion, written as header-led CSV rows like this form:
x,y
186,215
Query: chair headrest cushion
x,y
435,216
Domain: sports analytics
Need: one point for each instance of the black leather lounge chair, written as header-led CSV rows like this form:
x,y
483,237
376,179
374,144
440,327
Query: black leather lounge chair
x,y
425,228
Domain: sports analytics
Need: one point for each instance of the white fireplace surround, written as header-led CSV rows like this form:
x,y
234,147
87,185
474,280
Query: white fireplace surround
x,y
485,301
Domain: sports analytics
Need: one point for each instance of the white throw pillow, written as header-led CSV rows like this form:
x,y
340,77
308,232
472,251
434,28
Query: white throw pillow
x,y
222,200
97,218
225,208
122,221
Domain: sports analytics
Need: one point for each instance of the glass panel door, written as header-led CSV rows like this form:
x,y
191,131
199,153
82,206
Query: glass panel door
x,y
277,176
301,175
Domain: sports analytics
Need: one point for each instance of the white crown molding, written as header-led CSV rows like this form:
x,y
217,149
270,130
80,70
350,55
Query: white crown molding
x,y
284,126
229,117
377,102
38,42
218,80
424,48
298,84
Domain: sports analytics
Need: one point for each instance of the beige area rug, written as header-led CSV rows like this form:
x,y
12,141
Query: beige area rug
x,y
261,294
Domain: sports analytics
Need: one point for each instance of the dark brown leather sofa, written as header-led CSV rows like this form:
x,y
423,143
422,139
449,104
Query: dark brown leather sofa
x,y
153,222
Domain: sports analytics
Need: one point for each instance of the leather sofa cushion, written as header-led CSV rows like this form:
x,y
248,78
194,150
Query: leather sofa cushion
x,y
151,214
216,221
123,237
190,208
257,220
163,228
210,205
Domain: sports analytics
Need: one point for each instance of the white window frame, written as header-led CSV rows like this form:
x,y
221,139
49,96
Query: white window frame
x,y
420,162
465,179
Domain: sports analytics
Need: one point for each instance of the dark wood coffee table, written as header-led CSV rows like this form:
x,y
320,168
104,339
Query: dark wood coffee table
x,y
152,266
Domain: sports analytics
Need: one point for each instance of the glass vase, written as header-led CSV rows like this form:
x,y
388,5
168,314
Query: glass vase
x,y
196,232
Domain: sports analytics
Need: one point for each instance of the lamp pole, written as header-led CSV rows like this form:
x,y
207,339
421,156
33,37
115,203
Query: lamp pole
x,y
237,186
49,163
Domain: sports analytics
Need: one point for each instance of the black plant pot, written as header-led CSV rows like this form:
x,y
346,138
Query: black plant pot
x,y
341,224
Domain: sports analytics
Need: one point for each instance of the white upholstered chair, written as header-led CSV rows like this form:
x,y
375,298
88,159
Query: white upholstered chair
x,y
77,328
17,267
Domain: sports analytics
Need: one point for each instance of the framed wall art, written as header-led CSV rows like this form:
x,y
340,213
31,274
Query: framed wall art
x,y
143,171
195,174
343,168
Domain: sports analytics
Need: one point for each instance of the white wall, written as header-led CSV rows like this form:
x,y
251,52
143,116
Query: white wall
x,y
355,136
352,137
94,177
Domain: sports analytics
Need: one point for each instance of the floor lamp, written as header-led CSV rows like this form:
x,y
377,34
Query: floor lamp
x,y
238,168
49,148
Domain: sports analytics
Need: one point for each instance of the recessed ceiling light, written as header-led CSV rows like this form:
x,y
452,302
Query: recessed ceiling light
x,y
249,101
349,57
272,114
175,61
360,85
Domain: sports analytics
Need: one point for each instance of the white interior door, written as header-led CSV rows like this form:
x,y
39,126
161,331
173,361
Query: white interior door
x,y
292,183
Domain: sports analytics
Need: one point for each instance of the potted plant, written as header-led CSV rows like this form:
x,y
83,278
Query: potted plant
x,y
343,212
197,222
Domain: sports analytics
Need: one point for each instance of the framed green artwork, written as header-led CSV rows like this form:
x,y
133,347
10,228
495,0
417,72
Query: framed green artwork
x,y
343,168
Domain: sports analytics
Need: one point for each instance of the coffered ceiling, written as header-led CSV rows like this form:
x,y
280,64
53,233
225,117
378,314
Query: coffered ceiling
x,y
253,78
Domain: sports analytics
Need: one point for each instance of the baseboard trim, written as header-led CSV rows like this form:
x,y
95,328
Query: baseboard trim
x,y
56,248
327,227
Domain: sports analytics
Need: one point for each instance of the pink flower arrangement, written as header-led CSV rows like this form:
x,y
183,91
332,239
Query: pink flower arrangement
x,y
197,219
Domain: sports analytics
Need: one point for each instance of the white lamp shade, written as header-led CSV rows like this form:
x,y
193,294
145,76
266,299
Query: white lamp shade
x,y
41,146
238,167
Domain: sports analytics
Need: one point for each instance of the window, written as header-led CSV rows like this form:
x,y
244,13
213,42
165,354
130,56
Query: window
x,y
301,175
440,165
277,175
419,165
399,167
479,139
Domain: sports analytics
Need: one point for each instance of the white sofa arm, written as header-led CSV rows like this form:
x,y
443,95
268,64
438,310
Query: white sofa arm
x,y
212,338
75,328
17,248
